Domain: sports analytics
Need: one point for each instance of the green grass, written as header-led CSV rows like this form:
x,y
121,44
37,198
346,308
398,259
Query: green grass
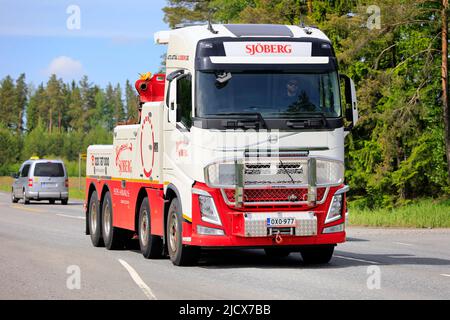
x,y
426,213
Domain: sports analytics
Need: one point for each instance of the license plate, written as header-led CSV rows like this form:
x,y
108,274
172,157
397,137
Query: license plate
x,y
48,185
280,222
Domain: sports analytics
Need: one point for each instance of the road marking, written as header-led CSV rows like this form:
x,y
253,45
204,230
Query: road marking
x,y
403,244
138,280
27,209
445,275
354,259
73,217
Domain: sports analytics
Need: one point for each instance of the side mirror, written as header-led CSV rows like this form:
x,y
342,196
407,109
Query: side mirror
x,y
174,75
15,175
351,103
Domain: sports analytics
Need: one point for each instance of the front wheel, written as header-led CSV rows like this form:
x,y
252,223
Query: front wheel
x,y
317,254
151,246
180,255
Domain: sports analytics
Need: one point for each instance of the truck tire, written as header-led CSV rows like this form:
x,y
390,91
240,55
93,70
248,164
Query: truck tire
x,y
317,254
113,237
13,197
64,202
151,246
51,201
277,252
180,255
95,220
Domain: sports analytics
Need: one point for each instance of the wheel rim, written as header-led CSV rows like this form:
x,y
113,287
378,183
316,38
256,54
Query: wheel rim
x,y
107,218
93,217
173,232
143,234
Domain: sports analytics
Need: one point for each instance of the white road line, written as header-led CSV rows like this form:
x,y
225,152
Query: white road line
x,y
445,275
141,284
73,217
354,259
403,244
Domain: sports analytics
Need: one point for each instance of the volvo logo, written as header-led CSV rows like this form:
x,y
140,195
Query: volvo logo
x,y
273,139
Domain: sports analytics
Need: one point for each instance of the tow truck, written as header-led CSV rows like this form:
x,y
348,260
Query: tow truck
x,y
240,144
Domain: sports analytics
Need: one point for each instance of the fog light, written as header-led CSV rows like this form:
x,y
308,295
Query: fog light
x,y
209,231
334,229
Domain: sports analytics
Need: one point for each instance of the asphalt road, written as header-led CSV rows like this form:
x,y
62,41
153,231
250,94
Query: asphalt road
x,y
44,252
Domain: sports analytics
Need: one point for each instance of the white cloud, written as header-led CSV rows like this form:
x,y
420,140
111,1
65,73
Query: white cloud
x,y
66,68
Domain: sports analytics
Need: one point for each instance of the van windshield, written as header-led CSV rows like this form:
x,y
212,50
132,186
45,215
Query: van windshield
x,y
271,94
49,170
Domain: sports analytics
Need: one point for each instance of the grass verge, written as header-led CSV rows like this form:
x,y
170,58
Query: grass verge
x,y
425,213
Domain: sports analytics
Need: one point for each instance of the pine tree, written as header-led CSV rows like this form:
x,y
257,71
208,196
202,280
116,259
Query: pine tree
x,y
131,101
21,101
8,103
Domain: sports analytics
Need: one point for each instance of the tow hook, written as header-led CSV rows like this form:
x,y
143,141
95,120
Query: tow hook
x,y
278,238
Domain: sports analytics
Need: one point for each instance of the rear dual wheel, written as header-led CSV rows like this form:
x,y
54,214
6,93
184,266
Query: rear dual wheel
x,y
151,245
113,237
95,221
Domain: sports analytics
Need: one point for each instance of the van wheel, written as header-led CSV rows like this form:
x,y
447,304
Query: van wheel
x,y
151,245
13,197
180,255
113,237
95,221
317,254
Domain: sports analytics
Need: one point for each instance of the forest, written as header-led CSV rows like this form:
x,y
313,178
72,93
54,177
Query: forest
x,y
396,52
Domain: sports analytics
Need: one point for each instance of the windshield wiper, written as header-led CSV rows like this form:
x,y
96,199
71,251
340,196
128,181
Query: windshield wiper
x,y
257,114
305,120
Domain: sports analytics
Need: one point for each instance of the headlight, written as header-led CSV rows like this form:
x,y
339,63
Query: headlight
x,y
335,211
208,210
329,172
221,175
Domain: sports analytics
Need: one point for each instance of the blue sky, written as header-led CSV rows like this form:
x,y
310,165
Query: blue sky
x,y
110,41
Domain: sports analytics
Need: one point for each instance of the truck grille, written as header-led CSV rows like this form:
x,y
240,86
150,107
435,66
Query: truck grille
x,y
276,173
282,195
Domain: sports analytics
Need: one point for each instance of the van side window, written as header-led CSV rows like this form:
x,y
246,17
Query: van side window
x,y
25,171
184,100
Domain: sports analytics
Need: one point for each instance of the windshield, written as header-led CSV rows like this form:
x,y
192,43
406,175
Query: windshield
x,y
272,95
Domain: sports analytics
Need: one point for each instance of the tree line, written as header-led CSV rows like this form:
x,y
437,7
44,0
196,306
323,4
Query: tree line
x,y
58,119
400,149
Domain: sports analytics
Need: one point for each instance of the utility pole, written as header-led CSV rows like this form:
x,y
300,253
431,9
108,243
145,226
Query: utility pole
x,y
444,17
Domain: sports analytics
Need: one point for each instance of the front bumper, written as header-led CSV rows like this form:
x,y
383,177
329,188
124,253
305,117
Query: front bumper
x,y
247,227
47,195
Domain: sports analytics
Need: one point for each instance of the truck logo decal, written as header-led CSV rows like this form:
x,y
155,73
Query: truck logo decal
x,y
253,49
123,165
